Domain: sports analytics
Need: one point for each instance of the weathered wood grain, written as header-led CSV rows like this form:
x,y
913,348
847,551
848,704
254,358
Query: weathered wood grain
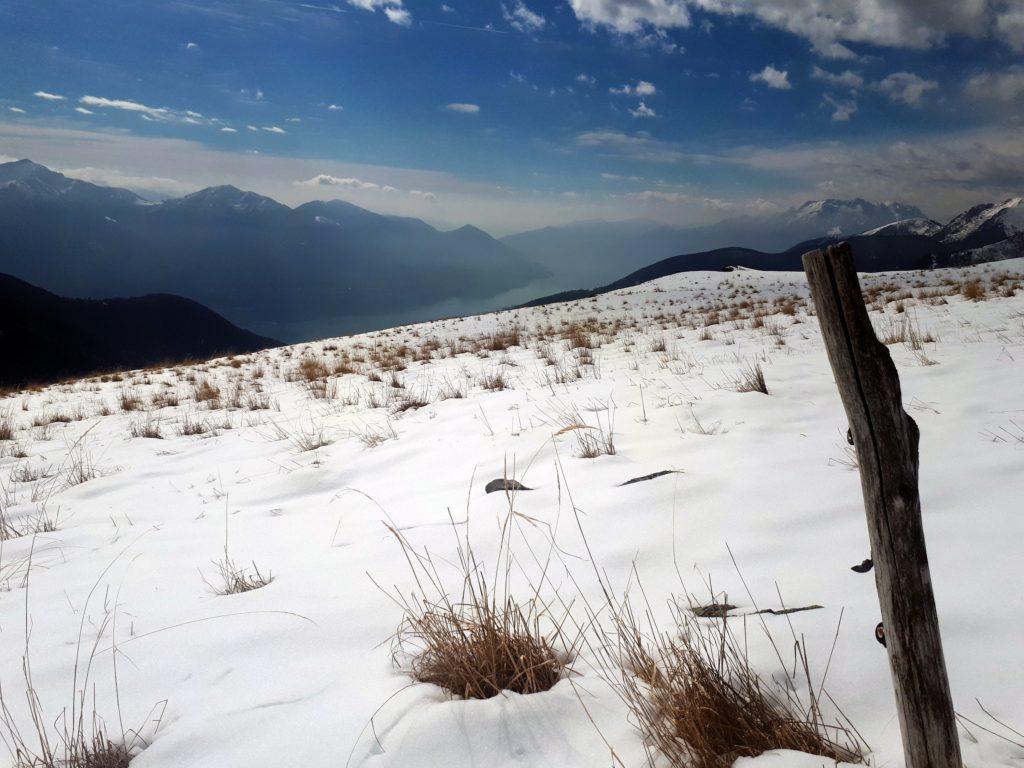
x,y
886,439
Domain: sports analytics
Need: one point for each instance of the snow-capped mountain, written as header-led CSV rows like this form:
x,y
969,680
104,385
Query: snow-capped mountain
x,y
847,217
985,224
227,197
914,226
594,252
28,180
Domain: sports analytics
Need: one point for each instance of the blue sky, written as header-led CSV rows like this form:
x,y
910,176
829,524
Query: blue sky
x,y
523,113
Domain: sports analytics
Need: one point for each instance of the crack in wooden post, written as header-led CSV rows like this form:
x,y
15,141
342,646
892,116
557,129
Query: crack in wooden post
x,y
886,440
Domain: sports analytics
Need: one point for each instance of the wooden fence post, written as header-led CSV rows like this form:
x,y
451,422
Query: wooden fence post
x,y
886,439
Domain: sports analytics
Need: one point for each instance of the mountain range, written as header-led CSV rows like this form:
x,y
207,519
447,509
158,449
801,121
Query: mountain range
x,y
989,232
260,263
610,249
330,267
44,337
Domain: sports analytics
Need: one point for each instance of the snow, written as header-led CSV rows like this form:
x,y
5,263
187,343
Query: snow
x,y
907,227
966,224
300,672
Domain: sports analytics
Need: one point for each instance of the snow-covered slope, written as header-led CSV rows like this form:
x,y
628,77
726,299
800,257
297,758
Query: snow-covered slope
x,y
850,216
916,226
300,673
985,224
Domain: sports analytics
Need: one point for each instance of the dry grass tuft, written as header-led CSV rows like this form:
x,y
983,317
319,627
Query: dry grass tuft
x,y
973,290
6,425
750,379
148,427
483,641
697,700
234,580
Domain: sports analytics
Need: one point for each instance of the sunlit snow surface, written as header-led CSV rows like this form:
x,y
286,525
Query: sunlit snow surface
x,y
300,672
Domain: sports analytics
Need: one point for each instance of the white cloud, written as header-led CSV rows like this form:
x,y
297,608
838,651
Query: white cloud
x,y
638,146
17,110
352,182
399,16
585,79
84,111
632,16
827,24
521,18
252,127
462,108
447,8
155,113
618,177
273,129
642,110
906,88
48,96
326,180
152,186
642,88
1010,26
228,129
293,119
842,109
334,108
772,77
846,79
191,46
1006,86
393,10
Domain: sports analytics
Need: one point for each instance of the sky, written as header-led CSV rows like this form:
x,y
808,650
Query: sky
x,y
524,113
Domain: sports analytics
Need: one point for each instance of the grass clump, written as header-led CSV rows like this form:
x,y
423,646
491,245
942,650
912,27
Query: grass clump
x,y
481,641
700,704
750,379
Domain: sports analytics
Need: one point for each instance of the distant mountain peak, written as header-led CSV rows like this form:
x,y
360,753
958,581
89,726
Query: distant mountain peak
x,y
985,223
832,206
229,196
38,181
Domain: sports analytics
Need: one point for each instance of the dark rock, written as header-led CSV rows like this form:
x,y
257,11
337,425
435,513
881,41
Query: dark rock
x,y
713,611
651,476
503,484
864,567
